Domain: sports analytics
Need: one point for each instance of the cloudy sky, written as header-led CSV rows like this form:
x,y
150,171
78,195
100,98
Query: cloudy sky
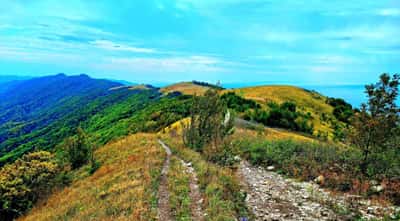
x,y
285,41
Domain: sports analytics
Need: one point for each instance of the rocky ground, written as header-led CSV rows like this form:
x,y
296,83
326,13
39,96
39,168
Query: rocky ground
x,y
274,197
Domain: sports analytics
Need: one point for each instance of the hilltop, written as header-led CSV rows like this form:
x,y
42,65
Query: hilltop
x,y
189,88
307,101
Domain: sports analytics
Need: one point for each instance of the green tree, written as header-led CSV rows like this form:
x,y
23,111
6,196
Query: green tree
x,y
376,124
210,121
79,150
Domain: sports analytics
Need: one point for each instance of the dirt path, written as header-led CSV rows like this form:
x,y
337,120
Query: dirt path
x,y
163,195
195,195
273,197
164,210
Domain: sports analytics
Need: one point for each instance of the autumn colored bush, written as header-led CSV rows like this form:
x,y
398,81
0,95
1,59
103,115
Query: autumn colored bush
x,y
24,181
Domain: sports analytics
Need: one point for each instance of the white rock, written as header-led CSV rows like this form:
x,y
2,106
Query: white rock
x,y
270,168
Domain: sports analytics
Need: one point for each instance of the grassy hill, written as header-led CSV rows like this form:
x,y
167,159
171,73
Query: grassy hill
x,y
307,102
123,188
188,88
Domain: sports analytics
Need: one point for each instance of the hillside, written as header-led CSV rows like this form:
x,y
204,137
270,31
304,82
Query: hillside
x,y
123,188
40,113
187,88
307,101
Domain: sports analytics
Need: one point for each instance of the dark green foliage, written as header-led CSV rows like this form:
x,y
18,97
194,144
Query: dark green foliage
x,y
24,181
238,103
210,122
343,111
283,116
78,149
205,84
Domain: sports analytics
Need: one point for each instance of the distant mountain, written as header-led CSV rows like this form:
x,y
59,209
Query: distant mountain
x,y
9,78
40,113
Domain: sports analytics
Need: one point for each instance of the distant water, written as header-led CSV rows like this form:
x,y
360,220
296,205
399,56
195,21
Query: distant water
x,y
353,94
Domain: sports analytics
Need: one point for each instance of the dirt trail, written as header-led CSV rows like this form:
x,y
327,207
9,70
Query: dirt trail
x,y
164,210
273,197
195,195
163,195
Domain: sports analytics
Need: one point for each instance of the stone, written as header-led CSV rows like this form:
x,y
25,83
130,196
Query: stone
x,y
377,189
320,180
270,168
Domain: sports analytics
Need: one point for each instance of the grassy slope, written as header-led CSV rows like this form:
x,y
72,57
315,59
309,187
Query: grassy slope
x,y
123,188
306,101
243,132
187,88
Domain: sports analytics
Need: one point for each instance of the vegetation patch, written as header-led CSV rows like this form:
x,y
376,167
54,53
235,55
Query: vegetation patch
x,y
178,186
123,188
224,199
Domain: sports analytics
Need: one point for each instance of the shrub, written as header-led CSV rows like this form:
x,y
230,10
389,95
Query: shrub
x,y
342,110
24,181
79,151
238,103
210,122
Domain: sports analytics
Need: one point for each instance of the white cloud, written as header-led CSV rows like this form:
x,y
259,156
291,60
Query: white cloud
x,y
109,45
389,12
190,64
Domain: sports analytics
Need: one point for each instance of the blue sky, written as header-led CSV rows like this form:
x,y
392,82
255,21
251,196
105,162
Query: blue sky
x,y
150,41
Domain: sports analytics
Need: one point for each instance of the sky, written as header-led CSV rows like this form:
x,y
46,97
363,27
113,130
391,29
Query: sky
x,y
309,42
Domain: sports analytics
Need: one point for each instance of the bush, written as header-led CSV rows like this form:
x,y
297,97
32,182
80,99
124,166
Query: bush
x,y
283,116
210,122
342,110
79,151
24,181
238,103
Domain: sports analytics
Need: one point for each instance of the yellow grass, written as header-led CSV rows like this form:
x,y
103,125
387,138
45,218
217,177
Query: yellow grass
x,y
123,188
187,88
270,134
139,87
306,101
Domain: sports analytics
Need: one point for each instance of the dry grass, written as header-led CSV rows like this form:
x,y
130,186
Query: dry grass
x,y
139,87
123,188
187,88
306,101
270,134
